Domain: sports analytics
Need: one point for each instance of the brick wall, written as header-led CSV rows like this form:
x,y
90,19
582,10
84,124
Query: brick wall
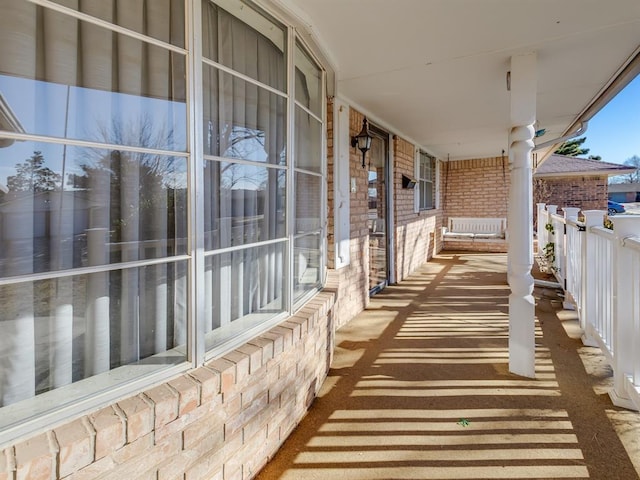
x,y
417,236
476,188
586,193
222,421
353,295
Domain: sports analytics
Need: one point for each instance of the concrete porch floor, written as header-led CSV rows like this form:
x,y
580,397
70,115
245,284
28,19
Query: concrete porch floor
x,y
420,389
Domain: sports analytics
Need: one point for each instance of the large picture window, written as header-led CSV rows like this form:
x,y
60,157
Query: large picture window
x,y
105,200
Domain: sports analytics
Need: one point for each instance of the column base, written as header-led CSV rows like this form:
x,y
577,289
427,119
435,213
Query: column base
x,y
622,402
522,336
589,341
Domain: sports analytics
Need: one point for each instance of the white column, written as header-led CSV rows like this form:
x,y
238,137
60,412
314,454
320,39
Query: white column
x,y
520,216
623,227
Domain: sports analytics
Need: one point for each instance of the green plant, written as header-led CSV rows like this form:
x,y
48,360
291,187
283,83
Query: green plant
x,y
463,422
549,228
547,258
607,223
550,252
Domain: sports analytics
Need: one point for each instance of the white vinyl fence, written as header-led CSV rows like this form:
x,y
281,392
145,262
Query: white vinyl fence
x,y
599,270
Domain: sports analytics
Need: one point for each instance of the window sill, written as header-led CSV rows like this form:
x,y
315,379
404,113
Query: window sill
x,y
50,409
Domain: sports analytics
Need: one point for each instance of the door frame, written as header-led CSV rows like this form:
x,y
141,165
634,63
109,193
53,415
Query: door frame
x,y
389,243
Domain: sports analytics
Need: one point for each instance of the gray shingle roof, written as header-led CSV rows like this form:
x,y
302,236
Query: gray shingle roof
x,y
565,166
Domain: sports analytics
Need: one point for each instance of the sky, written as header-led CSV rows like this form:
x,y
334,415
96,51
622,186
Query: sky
x,y
614,132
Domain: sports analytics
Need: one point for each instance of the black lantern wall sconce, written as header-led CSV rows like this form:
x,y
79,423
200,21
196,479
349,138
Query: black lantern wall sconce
x,y
362,140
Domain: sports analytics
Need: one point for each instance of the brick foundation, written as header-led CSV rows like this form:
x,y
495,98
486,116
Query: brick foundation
x,y
417,236
223,420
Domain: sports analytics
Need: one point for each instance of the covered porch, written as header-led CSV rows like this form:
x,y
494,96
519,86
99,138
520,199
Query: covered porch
x,y
420,389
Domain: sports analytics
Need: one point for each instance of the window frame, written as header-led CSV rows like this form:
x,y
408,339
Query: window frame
x,y
421,156
109,386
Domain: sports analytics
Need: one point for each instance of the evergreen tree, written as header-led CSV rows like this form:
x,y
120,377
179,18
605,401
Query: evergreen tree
x,y
573,148
34,176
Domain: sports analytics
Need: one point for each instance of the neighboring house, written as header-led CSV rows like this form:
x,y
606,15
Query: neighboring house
x,y
173,315
624,192
575,182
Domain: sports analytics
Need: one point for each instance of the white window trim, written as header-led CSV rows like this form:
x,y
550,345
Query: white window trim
x,y
341,184
436,177
416,190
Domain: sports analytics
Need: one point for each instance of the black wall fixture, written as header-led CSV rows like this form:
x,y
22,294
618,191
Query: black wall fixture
x,y
408,182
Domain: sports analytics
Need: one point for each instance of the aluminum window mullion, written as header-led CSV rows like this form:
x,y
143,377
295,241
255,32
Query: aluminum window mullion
x,y
32,137
291,187
107,25
238,248
107,267
241,161
242,76
311,114
196,296
307,172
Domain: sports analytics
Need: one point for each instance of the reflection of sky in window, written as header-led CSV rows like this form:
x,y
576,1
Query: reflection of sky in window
x,y
96,115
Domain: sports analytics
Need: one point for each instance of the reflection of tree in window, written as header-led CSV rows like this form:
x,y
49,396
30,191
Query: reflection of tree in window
x,y
246,143
236,176
143,130
33,176
143,187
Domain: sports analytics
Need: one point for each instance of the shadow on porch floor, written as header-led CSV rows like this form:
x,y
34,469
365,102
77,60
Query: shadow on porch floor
x,y
420,389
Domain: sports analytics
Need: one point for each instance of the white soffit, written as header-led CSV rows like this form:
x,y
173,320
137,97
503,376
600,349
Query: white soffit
x,y
436,69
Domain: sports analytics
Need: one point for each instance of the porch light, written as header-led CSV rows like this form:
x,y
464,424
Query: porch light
x,y
362,140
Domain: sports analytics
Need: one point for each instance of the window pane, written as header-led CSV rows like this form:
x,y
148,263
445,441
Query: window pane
x,y
428,193
240,38
308,195
242,120
243,289
243,204
162,20
85,82
307,264
62,330
427,177
308,142
308,82
64,207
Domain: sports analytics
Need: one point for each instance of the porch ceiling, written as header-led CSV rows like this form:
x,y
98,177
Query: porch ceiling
x,y
435,70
